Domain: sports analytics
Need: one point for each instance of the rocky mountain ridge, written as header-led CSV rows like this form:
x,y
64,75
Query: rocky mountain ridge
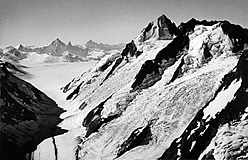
x,y
59,51
169,95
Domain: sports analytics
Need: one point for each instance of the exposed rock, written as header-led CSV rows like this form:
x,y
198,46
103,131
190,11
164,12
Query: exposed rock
x,y
140,136
116,64
129,50
94,120
161,29
164,59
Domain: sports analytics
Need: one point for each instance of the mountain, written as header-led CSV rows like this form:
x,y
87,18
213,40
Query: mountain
x,y
26,49
160,29
55,48
106,47
172,93
12,55
77,50
28,116
58,51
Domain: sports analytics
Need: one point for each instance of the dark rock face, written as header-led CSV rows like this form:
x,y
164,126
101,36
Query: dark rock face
x,y
28,116
93,121
190,145
106,65
154,69
190,25
163,27
238,35
74,93
16,69
166,28
140,136
116,64
129,50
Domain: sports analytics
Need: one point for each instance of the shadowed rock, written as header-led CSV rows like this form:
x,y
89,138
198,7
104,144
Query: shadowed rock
x,y
94,120
28,116
152,70
140,136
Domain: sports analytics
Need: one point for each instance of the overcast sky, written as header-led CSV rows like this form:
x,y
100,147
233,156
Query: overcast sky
x,y
38,22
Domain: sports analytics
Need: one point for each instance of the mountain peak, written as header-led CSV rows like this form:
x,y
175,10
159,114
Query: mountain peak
x,y
57,42
164,16
21,47
69,44
160,29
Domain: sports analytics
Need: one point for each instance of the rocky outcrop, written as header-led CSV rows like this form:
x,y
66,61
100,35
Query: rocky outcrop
x,y
129,50
140,136
93,121
28,116
237,34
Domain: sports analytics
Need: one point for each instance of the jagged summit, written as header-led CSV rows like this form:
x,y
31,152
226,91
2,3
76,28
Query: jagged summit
x,y
20,47
69,44
160,29
25,49
57,43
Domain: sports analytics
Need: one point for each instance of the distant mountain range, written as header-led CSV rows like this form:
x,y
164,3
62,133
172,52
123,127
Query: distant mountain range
x,y
59,51
106,47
